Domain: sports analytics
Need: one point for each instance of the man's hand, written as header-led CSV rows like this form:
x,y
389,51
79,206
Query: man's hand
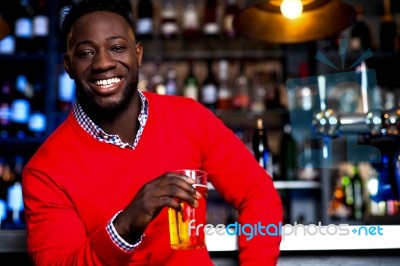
x,y
165,191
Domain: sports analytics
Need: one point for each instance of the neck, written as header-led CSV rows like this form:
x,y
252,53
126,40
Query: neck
x,y
125,123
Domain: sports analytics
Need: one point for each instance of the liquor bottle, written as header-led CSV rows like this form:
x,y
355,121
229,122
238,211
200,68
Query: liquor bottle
x,y
5,110
231,9
66,92
358,194
209,89
348,191
288,156
6,179
258,92
241,97
157,82
388,30
14,196
272,95
190,20
40,27
224,91
171,84
169,20
37,118
191,84
24,27
20,107
210,23
145,19
337,208
360,34
261,148
7,45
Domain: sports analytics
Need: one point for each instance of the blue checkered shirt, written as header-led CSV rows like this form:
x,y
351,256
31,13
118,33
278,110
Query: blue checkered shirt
x,y
95,131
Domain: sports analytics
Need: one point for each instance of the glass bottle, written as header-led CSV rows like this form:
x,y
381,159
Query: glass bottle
x,y
145,19
169,20
191,84
209,89
231,9
40,27
210,22
190,20
261,148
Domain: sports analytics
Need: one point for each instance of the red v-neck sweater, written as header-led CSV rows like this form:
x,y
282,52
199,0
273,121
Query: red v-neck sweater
x,y
75,184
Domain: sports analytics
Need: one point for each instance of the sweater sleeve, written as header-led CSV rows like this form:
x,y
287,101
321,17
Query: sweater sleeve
x,y
237,176
56,235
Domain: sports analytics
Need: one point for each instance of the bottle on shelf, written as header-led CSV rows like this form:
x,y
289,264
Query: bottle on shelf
x,y
66,92
209,89
258,92
14,196
20,107
190,20
231,9
37,119
360,34
40,27
272,95
211,25
169,20
261,148
358,194
7,177
23,29
288,156
388,30
241,97
145,19
224,91
382,187
307,162
337,208
5,110
171,84
7,45
157,82
191,84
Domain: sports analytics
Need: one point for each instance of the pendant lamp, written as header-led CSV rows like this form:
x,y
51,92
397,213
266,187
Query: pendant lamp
x,y
293,21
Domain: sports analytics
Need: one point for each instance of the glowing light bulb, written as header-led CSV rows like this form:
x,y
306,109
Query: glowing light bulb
x,y
291,9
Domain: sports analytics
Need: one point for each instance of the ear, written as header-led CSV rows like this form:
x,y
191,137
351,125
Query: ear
x,y
139,54
67,65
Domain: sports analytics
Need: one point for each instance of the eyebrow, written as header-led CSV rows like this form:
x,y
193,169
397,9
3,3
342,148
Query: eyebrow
x,y
107,39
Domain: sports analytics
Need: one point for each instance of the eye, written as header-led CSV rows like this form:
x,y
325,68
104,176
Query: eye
x,y
85,53
118,48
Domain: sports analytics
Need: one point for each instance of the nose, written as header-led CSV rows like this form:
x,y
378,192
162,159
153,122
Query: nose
x,y
103,60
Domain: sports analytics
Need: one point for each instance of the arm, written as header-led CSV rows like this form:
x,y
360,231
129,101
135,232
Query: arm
x,y
237,176
57,235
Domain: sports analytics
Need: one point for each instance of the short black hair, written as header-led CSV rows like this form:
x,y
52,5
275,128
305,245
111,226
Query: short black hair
x,y
82,7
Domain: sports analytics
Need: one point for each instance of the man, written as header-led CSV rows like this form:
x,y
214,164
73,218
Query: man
x,y
97,191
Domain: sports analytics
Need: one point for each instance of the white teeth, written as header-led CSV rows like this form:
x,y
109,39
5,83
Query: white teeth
x,y
105,82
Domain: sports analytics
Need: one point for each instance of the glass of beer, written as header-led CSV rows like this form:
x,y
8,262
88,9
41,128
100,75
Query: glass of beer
x,y
186,227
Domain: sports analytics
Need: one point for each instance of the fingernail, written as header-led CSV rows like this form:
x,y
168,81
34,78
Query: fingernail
x,y
196,204
198,195
191,181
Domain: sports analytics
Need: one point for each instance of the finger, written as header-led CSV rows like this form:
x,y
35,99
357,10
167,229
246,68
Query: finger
x,y
179,194
171,202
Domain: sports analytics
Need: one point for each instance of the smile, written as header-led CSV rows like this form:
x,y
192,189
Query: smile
x,y
107,82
